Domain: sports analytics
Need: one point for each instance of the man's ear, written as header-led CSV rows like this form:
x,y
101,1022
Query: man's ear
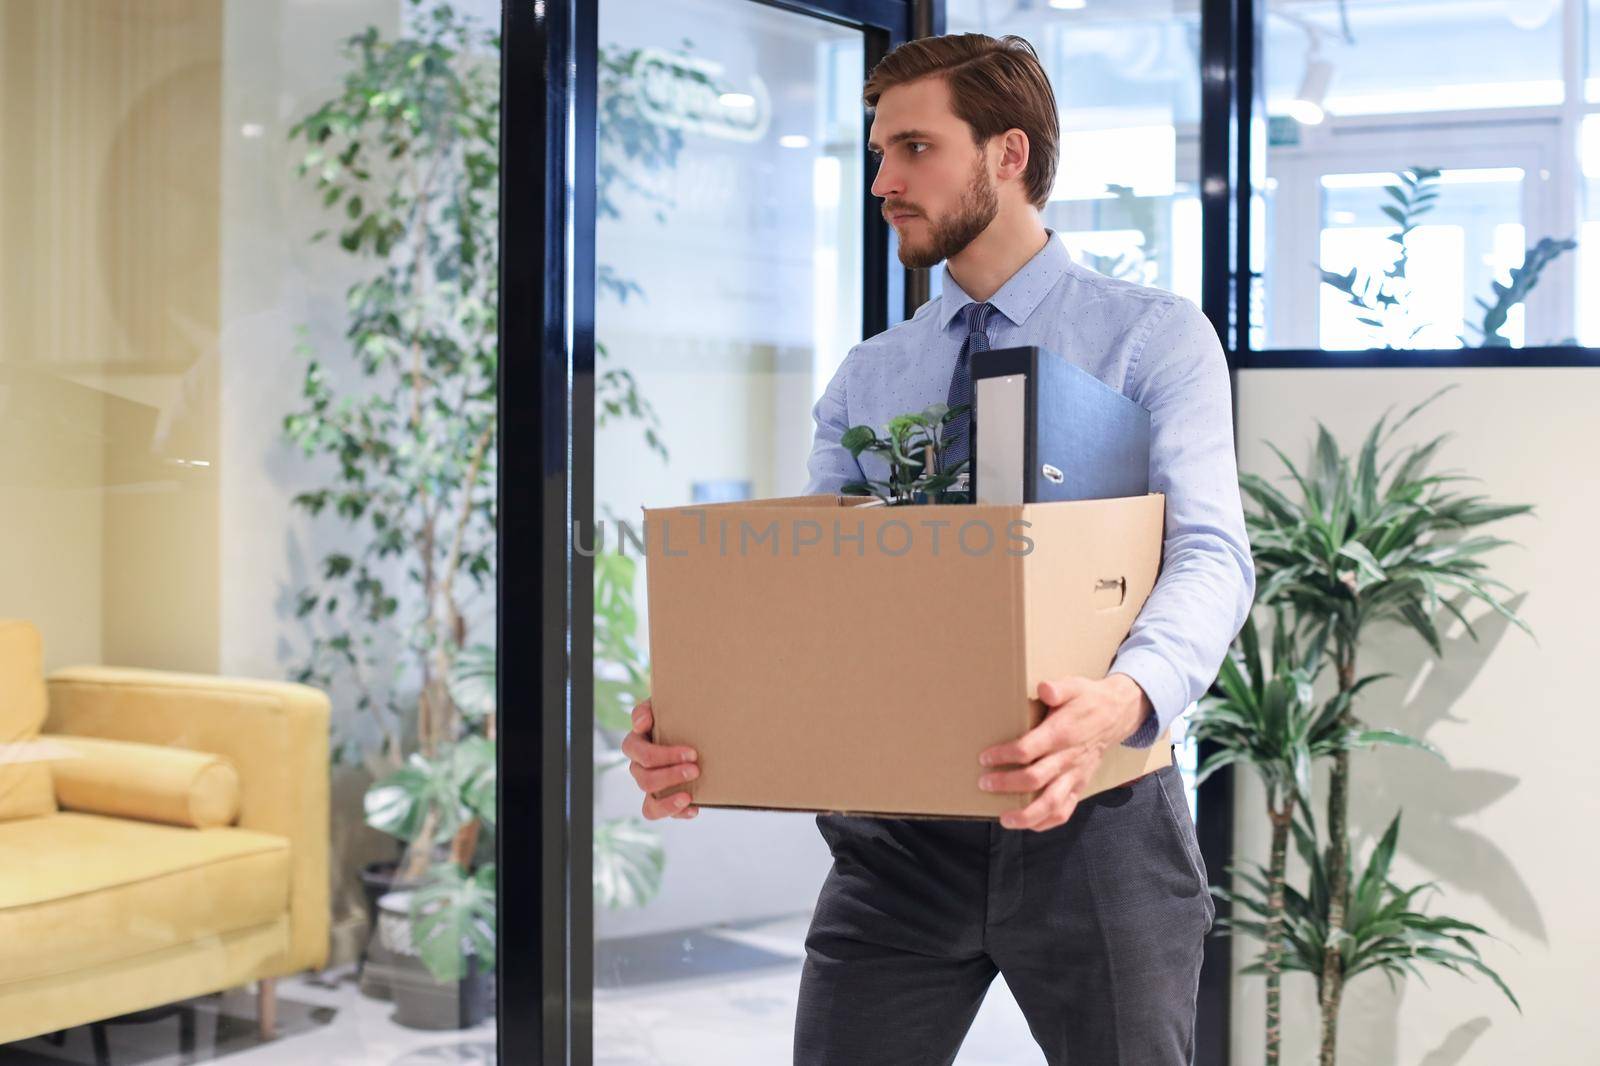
x,y
1013,153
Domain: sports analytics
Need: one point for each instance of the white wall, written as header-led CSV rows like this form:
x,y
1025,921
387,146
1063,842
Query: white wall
x,y
1506,828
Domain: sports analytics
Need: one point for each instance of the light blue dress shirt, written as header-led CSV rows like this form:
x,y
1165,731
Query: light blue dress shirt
x,y
1156,348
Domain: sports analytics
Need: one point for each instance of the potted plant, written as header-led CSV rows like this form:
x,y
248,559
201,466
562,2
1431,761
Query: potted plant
x,y
1265,715
629,859
1370,539
437,933
447,926
407,156
911,447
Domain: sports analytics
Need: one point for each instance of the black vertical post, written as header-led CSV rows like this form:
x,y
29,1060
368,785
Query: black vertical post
x,y
1219,124
585,65
1250,144
535,502
1224,210
884,295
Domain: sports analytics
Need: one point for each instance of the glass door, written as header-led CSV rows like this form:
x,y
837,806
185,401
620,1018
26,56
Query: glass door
x,y
734,269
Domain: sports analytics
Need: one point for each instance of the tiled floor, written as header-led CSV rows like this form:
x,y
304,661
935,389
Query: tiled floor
x,y
747,1018
712,997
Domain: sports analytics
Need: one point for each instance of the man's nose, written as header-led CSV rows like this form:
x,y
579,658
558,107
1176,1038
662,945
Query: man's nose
x,y
886,181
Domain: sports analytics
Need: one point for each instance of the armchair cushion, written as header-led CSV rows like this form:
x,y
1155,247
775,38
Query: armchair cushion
x,y
146,781
25,788
83,890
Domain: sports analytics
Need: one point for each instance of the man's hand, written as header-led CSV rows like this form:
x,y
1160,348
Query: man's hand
x,y
657,767
1084,717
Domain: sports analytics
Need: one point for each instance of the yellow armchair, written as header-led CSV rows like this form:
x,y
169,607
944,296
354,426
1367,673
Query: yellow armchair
x,y
162,836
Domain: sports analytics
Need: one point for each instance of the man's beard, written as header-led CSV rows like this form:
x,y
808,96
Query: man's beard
x,y
950,234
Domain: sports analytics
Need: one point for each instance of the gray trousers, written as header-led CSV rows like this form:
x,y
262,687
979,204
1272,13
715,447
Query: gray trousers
x,y
1097,925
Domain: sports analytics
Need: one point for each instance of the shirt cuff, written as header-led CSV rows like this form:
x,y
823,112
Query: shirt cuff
x,y
1166,689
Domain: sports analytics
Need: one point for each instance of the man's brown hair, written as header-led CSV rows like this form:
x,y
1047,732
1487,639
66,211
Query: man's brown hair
x,y
995,85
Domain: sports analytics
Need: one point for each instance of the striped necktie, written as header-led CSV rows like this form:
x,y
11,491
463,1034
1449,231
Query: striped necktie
x,y
958,446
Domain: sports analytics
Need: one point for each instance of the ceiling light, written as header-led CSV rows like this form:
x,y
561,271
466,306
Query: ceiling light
x,y
1069,5
1531,14
794,140
1306,107
736,100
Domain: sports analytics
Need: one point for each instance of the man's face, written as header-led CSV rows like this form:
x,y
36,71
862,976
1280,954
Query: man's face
x,y
935,184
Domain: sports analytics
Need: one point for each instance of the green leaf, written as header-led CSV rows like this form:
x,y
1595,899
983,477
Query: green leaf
x,y
453,919
472,681
397,804
857,439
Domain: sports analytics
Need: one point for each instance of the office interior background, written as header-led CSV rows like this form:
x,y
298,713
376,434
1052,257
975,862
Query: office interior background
x,y
257,487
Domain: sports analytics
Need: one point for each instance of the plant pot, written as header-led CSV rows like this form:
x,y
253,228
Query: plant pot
x,y
377,964
421,1001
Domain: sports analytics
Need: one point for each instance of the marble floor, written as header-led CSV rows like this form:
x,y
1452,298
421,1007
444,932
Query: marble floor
x,y
720,996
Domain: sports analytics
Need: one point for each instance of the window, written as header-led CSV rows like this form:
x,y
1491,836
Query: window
x,y
1418,153
1127,82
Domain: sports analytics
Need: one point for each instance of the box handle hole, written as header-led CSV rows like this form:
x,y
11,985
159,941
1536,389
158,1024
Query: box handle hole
x,y
1109,593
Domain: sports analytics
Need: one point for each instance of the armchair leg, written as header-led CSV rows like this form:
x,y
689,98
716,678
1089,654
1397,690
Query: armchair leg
x,y
267,1007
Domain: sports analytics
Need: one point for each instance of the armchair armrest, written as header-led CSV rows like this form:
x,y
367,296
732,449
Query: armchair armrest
x,y
145,781
274,732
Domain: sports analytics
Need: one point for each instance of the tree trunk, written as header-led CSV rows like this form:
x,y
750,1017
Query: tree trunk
x,y
1274,960
419,853
1337,864
464,844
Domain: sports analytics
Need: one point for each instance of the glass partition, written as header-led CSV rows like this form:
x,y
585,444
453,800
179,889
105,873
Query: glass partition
x,y
247,401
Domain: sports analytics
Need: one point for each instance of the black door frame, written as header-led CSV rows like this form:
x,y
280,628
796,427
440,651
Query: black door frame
x,y
546,456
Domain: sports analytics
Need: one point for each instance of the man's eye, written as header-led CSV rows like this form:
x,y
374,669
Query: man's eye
x,y
918,144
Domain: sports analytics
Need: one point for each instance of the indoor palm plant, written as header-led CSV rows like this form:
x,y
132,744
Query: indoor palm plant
x,y
1367,542
1382,930
1264,715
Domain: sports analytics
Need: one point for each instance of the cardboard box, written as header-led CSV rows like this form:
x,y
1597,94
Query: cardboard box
x,y
829,653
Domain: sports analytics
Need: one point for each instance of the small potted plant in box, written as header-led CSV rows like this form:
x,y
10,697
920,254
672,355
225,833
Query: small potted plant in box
x,y
911,448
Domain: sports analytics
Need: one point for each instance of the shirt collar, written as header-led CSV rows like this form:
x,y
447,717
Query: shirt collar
x,y
1022,291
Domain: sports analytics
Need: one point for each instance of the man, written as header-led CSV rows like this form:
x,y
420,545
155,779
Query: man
x,y
1093,910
